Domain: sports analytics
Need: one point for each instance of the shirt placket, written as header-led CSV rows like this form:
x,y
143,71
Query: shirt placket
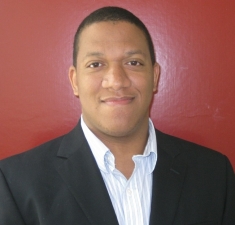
x,y
132,203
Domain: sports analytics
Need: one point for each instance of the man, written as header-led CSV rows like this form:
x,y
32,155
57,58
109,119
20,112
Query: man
x,y
114,167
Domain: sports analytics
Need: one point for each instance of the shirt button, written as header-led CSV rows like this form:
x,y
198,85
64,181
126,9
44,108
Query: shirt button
x,y
129,191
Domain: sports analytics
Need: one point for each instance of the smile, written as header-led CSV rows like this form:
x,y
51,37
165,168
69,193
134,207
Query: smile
x,y
118,100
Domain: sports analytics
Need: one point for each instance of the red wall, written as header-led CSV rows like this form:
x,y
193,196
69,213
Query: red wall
x,y
195,47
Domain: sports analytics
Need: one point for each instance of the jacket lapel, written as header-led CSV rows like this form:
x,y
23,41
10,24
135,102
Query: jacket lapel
x,y
168,178
79,170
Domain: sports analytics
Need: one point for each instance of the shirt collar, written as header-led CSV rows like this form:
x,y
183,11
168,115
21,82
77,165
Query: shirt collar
x,y
100,151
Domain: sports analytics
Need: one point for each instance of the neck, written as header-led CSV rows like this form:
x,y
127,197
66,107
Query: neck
x,y
124,148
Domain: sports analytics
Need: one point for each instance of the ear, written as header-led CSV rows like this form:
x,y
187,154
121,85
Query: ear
x,y
156,75
73,80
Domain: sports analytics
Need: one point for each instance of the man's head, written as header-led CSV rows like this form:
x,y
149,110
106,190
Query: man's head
x,y
115,75
114,14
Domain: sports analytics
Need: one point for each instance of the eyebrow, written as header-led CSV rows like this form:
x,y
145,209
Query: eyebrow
x,y
135,52
97,54
129,53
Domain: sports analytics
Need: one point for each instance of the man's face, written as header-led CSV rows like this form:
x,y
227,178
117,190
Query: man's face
x,y
114,78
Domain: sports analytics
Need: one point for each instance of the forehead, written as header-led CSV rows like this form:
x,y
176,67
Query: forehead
x,y
110,34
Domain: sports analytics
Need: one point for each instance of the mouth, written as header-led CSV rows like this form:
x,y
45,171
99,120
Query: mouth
x,y
118,100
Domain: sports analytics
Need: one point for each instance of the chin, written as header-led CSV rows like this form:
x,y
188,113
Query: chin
x,y
117,133
118,129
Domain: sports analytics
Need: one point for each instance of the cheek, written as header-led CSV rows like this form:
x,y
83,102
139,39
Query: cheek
x,y
88,86
143,85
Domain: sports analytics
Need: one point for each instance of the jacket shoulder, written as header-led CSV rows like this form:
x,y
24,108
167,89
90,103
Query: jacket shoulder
x,y
40,154
189,152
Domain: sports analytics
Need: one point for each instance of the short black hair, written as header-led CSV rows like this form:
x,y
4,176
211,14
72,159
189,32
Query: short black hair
x,y
112,13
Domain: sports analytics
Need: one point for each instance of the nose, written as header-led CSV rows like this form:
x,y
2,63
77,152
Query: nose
x,y
116,78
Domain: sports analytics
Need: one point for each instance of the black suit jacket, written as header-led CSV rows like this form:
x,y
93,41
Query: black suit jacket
x,y
59,183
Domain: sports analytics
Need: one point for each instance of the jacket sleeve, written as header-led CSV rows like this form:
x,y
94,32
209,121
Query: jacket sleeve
x,y
229,209
9,213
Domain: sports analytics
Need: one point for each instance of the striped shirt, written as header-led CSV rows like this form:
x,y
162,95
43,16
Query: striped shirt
x,y
131,198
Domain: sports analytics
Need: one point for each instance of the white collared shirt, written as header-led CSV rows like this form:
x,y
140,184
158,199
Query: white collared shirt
x,y
131,198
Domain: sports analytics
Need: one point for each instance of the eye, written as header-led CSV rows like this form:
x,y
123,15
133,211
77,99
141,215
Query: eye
x,y
135,63
94,65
